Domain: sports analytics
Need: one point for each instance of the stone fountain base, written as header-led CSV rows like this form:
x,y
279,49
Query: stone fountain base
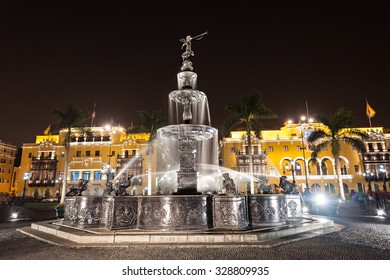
x,y
171,220
184,212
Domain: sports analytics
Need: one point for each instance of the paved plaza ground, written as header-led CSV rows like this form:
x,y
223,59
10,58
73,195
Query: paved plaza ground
x,y
361,238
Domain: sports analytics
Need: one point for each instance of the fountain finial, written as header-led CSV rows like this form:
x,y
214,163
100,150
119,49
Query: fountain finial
x,y
187,64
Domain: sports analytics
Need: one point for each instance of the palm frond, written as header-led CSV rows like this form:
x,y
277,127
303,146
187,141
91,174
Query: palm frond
x,y
68,118
318,148
355,142
247,111
317,135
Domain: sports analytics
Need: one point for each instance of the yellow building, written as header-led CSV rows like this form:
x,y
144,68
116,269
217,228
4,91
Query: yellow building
x,y
7,160
98,158
284,152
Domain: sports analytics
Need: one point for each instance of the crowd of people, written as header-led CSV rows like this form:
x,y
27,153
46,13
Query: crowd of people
x,y
365,200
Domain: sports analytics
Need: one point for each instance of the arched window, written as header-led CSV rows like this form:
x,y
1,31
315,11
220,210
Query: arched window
x,y
298,168
324,168
315,187
329,188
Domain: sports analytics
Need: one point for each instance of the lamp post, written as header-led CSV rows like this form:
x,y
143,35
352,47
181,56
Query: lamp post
x,y
26,176
108,127
301,123
292,170
382,171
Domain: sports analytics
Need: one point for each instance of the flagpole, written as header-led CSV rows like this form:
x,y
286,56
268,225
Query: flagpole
x,y
93,114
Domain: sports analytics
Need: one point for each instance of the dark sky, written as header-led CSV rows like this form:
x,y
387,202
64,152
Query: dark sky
x,y
124,56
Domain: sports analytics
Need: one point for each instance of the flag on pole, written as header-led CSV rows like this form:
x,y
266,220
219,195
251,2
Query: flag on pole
x,y
47,130
369,111
93,116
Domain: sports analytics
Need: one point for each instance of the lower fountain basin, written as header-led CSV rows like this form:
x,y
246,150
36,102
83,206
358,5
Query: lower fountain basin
x,y
267,209
182,212
294,207
120,212
230,212
83,211
175,212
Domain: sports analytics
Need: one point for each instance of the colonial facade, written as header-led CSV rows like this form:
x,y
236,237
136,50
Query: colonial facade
x,y
101,156
7,160
376,160
97,157
285,152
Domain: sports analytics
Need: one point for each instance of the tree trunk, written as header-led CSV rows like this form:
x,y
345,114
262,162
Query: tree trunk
x,y
339,179
252,184
65,179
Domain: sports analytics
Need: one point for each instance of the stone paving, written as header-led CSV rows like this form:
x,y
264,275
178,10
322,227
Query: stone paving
x,y
363,238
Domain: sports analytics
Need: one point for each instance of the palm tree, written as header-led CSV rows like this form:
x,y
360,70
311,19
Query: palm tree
x,y
338,128
69,119
150,122
248,111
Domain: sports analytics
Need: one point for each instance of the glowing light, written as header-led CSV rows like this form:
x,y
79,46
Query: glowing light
x,y
381,212
320,199
14,215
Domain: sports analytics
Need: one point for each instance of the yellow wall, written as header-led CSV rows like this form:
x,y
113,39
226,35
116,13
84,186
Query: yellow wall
x,y
78,158
7,159
284,145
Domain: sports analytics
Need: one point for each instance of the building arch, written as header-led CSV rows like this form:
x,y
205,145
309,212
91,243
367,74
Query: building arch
x,y
282,162
327,166
299,166
315,187
330,188
313,163
344,165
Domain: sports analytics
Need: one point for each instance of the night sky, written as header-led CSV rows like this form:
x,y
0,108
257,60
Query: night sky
x,y
124,56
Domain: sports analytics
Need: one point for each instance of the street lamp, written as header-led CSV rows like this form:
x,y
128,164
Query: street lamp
x,y
287,167
108,127
26,176
382,171
301,122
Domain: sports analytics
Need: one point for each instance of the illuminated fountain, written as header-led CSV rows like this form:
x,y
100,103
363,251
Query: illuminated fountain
x,y
187,155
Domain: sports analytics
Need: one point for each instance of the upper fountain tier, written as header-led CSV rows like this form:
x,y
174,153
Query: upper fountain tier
x,y
189,115
188,102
